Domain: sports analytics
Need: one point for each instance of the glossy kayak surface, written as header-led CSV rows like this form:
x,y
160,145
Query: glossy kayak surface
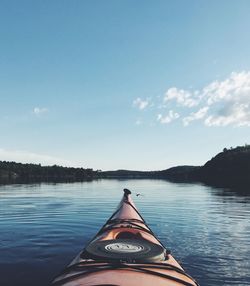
x,y
124,252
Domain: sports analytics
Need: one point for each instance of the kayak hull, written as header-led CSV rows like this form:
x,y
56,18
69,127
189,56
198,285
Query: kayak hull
x,y
124,252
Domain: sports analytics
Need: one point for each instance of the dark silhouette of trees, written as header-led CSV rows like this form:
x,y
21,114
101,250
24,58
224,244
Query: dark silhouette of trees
x,y
230,168
18,172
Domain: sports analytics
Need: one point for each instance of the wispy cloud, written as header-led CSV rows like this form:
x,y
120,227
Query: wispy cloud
x,y
168,118
140,103
231,99
30,157
220,103
234,89
237,114
182,97
39,110
195,115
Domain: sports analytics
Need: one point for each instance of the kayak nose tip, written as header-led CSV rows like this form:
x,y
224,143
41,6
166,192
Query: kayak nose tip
x,y
127,192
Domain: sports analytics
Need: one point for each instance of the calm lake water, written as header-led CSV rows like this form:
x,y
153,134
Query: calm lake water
x,y
43,227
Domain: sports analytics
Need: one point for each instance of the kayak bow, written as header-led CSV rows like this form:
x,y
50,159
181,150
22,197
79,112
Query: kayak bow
x,y
124,252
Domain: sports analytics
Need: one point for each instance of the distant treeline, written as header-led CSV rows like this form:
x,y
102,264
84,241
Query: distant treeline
x,y
230,168
11,172
180,173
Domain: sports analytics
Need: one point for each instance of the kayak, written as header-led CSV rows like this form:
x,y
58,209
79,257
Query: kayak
x,y
124,252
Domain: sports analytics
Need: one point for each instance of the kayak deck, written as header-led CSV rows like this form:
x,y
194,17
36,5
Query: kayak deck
x,y
124,252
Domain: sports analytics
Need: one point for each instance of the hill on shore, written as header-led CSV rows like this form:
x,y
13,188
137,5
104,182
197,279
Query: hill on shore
x,y
230,168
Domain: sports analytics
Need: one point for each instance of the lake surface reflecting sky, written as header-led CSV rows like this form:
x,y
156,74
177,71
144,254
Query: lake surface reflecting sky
x,y
44,226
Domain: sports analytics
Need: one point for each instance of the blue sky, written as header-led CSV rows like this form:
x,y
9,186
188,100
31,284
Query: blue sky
x,y
123,84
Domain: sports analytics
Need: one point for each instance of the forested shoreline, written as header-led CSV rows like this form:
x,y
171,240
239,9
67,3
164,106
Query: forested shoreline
x,y
17,172
229,168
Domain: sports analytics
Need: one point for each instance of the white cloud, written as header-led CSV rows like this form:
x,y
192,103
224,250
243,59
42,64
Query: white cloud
x,y
140,103
195,115
30,157
235,114
219,103
40,110
182,97
168,118
236,88
230,100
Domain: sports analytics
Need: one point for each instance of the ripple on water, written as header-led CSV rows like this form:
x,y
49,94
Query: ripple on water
x,y
44,226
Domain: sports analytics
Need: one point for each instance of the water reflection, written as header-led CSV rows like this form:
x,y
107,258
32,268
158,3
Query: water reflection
x,y
43,226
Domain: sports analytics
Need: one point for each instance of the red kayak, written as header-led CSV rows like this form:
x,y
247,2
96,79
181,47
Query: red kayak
x,y
124,252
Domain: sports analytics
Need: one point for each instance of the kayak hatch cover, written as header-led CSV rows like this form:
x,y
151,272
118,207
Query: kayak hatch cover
x,y
124,252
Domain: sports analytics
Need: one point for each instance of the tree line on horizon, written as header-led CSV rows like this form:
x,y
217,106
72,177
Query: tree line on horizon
x,y
19,172
231,167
